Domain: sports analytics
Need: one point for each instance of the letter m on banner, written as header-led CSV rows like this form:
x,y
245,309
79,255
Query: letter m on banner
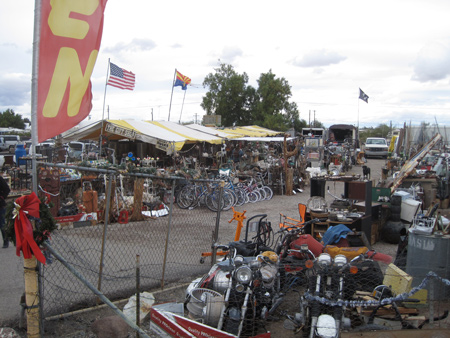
x,y
70,36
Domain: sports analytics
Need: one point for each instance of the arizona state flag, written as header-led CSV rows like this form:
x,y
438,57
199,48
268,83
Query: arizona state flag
x,y
70,36
182,81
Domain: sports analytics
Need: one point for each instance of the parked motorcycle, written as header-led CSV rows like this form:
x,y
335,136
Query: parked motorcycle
x,y
330,282
239,293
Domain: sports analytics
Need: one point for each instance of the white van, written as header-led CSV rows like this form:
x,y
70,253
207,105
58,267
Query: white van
x,y
10,142
3,145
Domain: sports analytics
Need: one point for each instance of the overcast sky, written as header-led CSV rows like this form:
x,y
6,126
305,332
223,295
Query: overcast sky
x,y
397,52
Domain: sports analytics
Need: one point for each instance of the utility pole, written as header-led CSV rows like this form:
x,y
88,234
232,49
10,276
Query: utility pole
x,y
152,114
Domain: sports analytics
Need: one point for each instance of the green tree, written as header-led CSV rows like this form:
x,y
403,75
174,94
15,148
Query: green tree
x,y
272,103
382,130
9,119
241,104
228,95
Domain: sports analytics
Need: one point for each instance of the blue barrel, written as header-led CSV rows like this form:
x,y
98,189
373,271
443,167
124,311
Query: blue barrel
x,y
20,152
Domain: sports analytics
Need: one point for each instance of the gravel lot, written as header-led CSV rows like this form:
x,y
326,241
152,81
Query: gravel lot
x,y
79,325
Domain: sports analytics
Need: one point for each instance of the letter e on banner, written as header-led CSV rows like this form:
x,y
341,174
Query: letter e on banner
x,y
70,36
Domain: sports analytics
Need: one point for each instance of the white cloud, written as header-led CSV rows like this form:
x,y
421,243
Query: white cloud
x,y
318,58
229,54
432,62
135,45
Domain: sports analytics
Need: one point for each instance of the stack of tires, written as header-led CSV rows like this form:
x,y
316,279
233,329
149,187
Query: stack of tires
x,y
392,228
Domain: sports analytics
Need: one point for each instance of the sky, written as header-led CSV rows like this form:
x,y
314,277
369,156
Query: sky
x,y
396,51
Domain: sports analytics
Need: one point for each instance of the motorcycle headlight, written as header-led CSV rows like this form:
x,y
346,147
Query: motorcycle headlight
x,y
268,273
340,260
238,260
324,260
244,275
255,264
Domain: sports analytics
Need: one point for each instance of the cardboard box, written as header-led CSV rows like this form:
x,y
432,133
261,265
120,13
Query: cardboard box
x,y
397,279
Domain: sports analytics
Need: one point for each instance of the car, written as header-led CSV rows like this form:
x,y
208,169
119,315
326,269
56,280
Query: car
x,y
376,147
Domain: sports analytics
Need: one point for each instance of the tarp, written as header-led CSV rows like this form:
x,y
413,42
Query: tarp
x,y
165,135
251,131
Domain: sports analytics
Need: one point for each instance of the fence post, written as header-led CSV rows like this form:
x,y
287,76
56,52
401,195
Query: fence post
x,y
216,230
169,223
32,297
105,226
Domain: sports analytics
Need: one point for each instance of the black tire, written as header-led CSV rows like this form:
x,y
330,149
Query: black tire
x,y
396,200
395,218
396,209
391,231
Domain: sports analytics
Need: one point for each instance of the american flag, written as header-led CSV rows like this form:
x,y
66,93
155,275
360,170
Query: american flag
x,y
120,78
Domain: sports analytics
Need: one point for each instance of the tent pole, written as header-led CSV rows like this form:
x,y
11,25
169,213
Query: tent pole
x,y
103,113
171,95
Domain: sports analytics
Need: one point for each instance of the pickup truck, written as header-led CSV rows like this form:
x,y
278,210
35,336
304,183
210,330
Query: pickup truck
x,y
376,146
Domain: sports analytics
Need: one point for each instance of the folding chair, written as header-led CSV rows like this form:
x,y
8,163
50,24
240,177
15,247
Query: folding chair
x,y
288,222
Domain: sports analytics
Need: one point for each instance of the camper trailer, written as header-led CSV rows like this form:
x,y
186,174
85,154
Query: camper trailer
x,y
343,140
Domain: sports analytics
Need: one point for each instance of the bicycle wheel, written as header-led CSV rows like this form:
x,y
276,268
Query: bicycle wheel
x,y
212,201
241,196
262,193
228,200
253,197
233,196
185,197
269,192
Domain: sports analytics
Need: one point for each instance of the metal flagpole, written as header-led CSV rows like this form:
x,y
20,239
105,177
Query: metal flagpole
x,y
103,113
357,126
179,121
173,82
34,91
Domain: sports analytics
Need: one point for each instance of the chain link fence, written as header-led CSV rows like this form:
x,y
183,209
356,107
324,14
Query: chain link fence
x,y
103,248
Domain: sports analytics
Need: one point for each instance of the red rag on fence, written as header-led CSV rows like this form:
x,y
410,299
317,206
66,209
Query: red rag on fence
x,y
27,205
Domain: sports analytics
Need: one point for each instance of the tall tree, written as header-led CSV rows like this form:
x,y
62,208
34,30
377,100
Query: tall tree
x,y
273,96
241,104
228,95
9,119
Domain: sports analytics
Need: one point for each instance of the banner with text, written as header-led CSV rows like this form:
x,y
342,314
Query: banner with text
x,y
70,36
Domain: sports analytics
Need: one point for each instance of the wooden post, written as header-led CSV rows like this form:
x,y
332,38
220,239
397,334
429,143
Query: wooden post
x,y
288,174
138,196
32,297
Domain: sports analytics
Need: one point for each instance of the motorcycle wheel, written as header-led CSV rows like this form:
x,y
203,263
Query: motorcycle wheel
x,y
304,311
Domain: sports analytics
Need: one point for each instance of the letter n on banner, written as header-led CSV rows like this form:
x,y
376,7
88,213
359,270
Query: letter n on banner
x,y
70,36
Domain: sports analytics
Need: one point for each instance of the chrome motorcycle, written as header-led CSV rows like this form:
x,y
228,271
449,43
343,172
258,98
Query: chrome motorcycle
x,y
238,294
322,307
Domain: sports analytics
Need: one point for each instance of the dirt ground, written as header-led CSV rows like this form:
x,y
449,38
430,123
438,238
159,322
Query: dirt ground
x,y
79,325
